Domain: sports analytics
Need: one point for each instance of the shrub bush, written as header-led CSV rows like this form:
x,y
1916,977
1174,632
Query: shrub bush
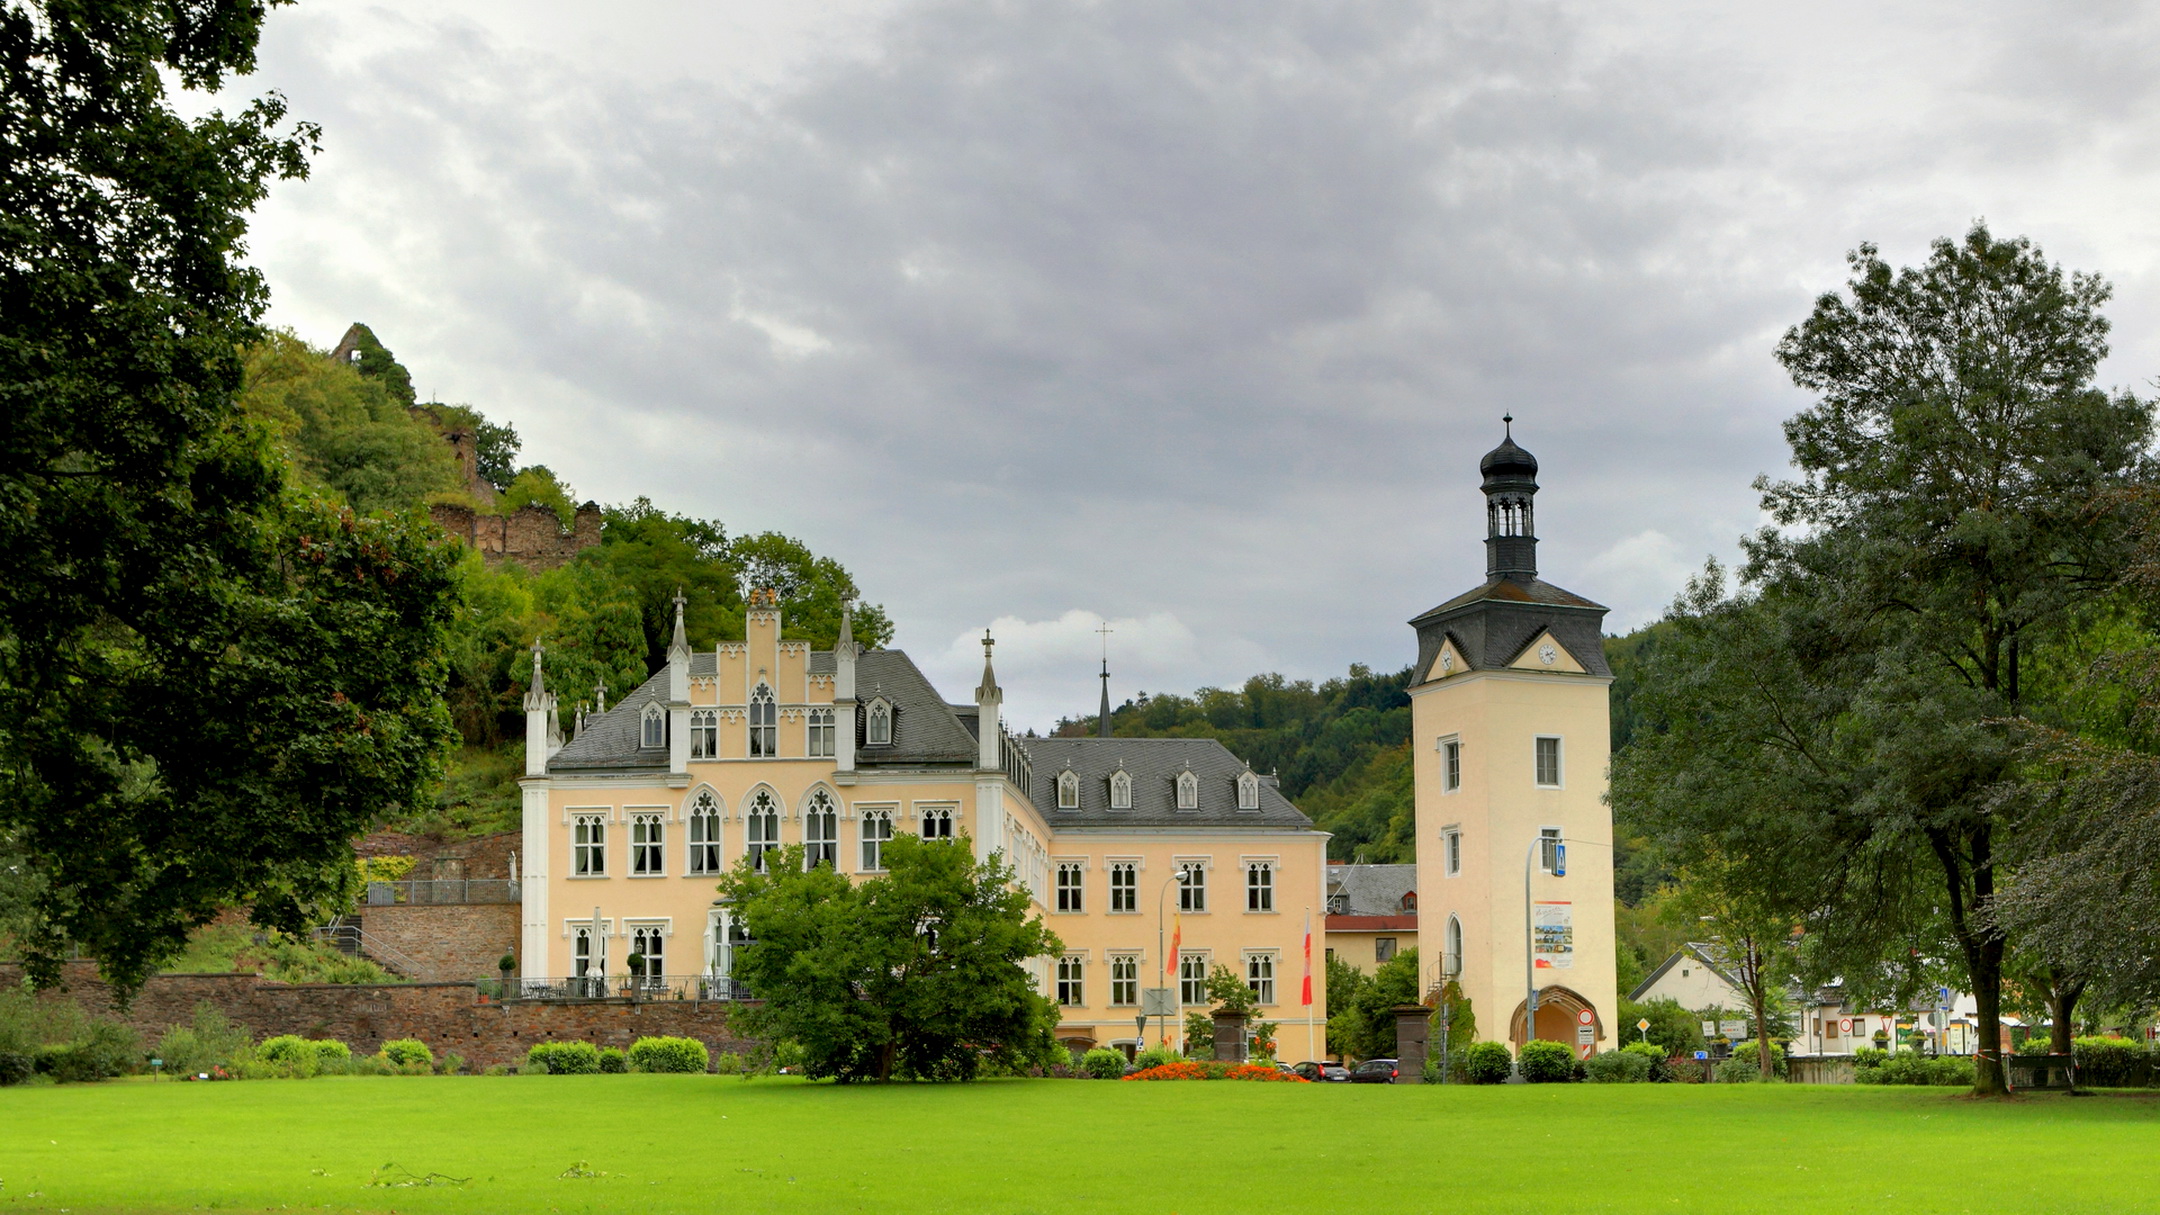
x,y
106,1049
1908,1067
1547,1062
1156,1056
670,1055
404,1052
2111,1062
452,1064
1736,1071
1487,1063
1618,1067
1952,1071
332,1057
1746,1052
287,1055
16,1066
1660,1071
565,1058
1103,1063
613,1061
210,1041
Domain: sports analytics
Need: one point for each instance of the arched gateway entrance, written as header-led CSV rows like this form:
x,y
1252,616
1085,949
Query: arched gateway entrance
x,y
1559,1017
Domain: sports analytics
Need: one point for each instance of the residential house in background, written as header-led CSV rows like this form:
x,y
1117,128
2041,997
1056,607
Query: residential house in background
x,y
1371,913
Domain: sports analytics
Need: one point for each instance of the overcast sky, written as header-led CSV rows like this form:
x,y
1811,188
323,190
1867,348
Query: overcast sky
x,y
1195,317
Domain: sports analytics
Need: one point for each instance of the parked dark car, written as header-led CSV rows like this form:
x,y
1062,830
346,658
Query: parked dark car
x,y
1323,1073
1374,1071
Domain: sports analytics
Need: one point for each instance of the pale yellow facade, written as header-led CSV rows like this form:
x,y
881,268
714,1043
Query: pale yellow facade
x,y
624,843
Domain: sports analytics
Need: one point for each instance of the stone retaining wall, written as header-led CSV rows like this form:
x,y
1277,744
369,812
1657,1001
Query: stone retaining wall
x,y
446,1016
448,943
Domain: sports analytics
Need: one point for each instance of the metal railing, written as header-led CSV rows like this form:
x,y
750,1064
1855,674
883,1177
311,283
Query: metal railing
x,y
349,939
650,988
449,892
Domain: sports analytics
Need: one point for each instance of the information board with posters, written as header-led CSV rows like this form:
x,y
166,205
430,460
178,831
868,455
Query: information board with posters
x,y
1552,936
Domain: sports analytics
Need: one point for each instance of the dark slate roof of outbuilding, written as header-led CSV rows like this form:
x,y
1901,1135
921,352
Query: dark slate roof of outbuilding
x,y
1154,764
1370,889
926,730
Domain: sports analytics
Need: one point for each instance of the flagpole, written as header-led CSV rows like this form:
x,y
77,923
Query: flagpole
x,y
1308,986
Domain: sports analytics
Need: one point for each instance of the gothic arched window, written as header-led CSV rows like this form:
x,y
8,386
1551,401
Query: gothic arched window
x,y
877,726
1188,791
1068,790
1121,790
1248,791
764,724
821,831
652,727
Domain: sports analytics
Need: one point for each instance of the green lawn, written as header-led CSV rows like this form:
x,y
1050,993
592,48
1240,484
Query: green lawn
x,y
696,1143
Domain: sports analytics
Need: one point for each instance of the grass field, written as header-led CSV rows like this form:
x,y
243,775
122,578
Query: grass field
x,y
697,1143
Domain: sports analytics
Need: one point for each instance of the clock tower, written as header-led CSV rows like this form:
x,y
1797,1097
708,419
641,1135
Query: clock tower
x,y
1510,736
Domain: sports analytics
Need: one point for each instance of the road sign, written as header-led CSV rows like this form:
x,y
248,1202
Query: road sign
x,y
1559,864
1585,1035
1702,1054
1709,1029
1844,1025
1158,1002
1733,1029
1643,1024
1586,1017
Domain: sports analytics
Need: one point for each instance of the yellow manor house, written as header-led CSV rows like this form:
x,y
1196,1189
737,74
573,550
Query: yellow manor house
x,y
765,742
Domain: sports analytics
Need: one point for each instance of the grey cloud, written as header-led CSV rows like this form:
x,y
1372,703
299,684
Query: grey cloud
x,y
1205,310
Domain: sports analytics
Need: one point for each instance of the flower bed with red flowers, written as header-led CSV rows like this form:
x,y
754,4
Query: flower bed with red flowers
x,y
1215,1071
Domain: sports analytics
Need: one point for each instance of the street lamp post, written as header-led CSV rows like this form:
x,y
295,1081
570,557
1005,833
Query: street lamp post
x,y
1161,951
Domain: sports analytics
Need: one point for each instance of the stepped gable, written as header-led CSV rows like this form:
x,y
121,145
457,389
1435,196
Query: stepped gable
x,y
1154,764
926,730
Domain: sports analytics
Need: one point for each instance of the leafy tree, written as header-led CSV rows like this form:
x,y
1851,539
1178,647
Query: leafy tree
x,y
920,971
538,486
1950,525
375,362
341,431
205,687
1676,1030
1365,1026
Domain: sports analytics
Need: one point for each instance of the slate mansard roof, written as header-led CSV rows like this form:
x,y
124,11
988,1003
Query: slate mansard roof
x,y
926,731
1370,890
1492,625
1154,764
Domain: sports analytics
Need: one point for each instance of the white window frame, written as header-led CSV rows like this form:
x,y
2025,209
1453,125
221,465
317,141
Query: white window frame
x,y
1071,881
820,741
874,831
1451,850
1068,790
1549,839
1451,764
1259,886
1260,975
1192,978
1451,948
652,726
1559,754
761,826
1124,980
581,962
648,856
1130,869
764,722
588,845
653,933
1192,893
1248,791
943,815
1121,790
1188,791
704,734
1072,981
878,723
703,833
821,829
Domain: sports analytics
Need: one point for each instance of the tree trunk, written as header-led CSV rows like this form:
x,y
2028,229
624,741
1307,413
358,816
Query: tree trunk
x,y
1760,999
1982,947
2062,1002
1989,1078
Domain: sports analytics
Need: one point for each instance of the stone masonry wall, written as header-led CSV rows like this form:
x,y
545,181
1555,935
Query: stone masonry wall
x,y
446,1016
531,535
454,943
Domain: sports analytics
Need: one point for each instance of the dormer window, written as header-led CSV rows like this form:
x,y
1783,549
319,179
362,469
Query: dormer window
x,y
877,725
1068,790
1188,791
1409,902
1121,790
764,724
1248,791
652,729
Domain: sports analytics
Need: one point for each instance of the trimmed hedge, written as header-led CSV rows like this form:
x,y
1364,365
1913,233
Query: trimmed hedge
x,y
405,1052
670,1055
2111,1062
613,1062
1908,1067
1103,1063
1487,1063
565,1058
1547,1062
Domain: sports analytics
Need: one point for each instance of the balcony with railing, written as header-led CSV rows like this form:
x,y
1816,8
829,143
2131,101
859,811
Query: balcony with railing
x,y
440,893
639,989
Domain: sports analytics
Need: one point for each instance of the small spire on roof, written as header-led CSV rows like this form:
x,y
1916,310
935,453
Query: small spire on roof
x,y
681,640
599,695
988,687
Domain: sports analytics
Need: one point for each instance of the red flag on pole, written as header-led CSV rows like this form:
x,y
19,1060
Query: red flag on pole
x,y
1308,958
1177,941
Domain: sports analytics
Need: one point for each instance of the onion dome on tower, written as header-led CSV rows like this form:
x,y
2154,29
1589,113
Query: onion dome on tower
x,y
1510,523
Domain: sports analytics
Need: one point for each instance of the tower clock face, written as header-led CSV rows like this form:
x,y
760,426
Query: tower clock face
x,y
1547,654
1447,662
